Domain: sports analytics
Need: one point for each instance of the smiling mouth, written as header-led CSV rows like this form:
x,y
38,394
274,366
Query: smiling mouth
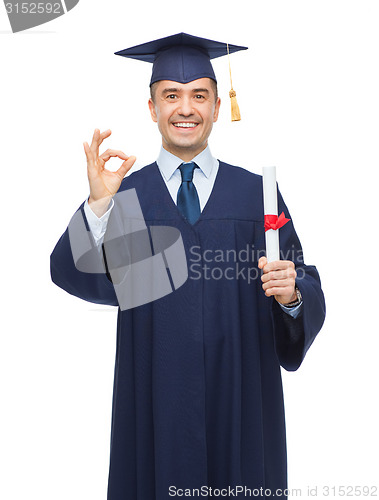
x,y
185,125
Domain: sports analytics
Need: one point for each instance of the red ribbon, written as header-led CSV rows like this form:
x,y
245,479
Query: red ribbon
x,y
275,222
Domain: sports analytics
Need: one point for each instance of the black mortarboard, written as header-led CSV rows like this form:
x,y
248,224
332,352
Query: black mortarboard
x,y
181,58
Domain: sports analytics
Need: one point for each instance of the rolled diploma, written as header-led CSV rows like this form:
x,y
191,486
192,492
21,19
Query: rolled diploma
x,y
270,203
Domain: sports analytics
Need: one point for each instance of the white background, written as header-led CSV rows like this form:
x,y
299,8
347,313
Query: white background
x,y
308,93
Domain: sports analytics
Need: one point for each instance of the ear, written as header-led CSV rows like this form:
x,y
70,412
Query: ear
x,y
152,111
217,109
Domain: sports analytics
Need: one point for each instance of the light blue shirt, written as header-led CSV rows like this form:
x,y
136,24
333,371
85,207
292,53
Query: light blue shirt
x,y
203,179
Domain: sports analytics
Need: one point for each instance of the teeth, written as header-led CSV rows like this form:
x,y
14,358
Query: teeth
x,y
185,125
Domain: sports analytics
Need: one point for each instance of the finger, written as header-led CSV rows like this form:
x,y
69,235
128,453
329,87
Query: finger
x,y
277,265
94,144
278,275
262,262
103,136
272,266
278,283
277,291
87,150
97,139
113,153
88,154
126,166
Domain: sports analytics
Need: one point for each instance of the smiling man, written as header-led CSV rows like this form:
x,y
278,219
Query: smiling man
x,y
198,401
185,114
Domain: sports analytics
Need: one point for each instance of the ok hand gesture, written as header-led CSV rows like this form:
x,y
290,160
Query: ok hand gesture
x,y
104,183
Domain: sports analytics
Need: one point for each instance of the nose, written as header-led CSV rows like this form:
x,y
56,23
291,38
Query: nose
x,y
185,106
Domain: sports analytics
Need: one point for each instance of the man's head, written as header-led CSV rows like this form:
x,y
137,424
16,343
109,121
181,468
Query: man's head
x,y
184,99
185,113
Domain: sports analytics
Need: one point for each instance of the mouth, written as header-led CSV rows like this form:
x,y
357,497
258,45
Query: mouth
x,y
185,125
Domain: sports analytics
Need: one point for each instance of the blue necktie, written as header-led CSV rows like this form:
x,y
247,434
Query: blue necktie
x,y
188,199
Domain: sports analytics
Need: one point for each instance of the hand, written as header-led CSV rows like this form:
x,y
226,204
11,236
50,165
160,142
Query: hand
x,y
279,279
104,183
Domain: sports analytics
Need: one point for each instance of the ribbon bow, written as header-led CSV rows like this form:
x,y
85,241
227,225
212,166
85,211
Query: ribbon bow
x,y
274,222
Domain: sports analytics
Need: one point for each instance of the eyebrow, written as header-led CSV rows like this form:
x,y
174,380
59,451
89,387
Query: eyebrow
x,y
167,91
206,91
174,89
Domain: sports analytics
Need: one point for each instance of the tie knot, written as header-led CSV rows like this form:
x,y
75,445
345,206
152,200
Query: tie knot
x,y
186,169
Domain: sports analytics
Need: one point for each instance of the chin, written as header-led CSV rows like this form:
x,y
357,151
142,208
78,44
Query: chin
x,y
190,145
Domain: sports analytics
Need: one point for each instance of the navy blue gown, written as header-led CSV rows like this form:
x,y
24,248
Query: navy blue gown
x,y
198,400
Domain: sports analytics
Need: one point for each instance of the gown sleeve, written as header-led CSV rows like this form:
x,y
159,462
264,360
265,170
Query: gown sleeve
x,y
77,266
294,336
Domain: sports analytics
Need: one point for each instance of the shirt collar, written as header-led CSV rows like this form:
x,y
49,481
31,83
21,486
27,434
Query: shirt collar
x,y
168,163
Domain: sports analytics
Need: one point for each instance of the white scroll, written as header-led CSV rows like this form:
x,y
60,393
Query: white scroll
x,y
270,202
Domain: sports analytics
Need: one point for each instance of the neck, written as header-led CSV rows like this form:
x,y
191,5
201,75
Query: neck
x,y
184,154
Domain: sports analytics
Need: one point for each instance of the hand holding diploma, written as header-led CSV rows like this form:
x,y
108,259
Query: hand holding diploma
x,y
278,279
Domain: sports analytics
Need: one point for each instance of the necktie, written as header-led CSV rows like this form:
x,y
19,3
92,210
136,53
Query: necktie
x,y
188,199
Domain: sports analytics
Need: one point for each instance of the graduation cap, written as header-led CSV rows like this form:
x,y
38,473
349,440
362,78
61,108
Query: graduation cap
x,y
183,58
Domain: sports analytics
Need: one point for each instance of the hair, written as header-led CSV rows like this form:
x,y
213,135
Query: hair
x,y
154,85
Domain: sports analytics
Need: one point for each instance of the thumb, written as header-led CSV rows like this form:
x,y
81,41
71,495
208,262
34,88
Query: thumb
x,y
262,262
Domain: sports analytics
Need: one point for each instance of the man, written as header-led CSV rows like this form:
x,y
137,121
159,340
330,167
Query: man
x,y
198,402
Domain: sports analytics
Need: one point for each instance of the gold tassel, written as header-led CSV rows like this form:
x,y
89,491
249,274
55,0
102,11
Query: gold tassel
x,y
236,115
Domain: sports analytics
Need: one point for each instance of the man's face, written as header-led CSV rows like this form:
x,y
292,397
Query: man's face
x,y
185,114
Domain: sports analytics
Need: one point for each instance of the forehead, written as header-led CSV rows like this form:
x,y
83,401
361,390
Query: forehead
x,y
195,85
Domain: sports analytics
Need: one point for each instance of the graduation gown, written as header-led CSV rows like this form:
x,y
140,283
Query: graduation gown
x,y
198,400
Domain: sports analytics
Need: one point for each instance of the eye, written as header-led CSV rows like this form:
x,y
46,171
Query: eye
x,y
171,97
199,96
